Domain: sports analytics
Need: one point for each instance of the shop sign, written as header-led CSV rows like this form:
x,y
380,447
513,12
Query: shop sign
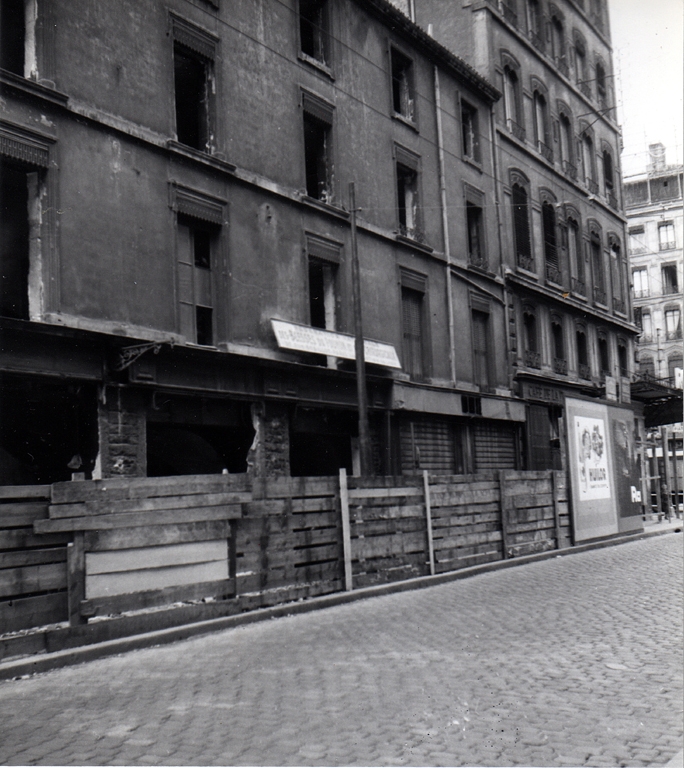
x,y
540,392
304,338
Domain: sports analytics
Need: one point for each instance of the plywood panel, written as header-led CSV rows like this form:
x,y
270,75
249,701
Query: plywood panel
x,y
155,557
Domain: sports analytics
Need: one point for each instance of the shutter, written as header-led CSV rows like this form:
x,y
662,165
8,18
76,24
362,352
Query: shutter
x,y
186,304
495,445
427,444
480,363
411,305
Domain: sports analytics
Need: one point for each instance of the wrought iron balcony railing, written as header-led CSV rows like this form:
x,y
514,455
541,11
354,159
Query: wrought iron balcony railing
x,y
618,305
532,359
545,151
599,296
478,260
578,286
584,371
570,170
526,262
517,130
560,365
592,186
553,274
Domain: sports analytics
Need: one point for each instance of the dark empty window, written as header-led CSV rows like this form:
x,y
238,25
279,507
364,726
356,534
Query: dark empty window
x,y
566,148
476,250
521,227
195,293
12,36
407,200
597,267
601,91
321,294
413,332
588,162
532,357
608,173
551,259
512,103
470,133
192,90
622,358
541,125
314,30
582,353
669,278
481,355
604,357
317,135
557,338
576,257
403,97
14,241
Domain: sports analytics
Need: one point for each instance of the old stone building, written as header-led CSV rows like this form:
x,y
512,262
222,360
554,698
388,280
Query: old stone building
x,y
176,238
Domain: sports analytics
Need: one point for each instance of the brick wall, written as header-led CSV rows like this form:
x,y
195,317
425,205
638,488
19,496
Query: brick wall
x,y
121,428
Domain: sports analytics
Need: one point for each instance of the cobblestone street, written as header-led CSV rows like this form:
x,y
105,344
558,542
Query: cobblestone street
x,y
571,661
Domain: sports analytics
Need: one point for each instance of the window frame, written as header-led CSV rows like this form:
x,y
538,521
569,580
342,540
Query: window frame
x,y
415,284
531,340
642,291
514,115
483,373
318,113
669,287
470,135
522,240
669,244
474,206
542,120
323,62
550,240
408,164
397,56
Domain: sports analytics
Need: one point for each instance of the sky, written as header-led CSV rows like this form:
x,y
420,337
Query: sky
x,y
648,57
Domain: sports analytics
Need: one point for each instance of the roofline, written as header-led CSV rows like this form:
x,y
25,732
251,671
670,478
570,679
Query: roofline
x,y
400,23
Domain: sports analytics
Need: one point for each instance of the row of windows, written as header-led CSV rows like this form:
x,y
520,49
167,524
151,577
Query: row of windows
x,y
669,283
565,249
576,154
559,353
673,323
546,30
666,238
675,363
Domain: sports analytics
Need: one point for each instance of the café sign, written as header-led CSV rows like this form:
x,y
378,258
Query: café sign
x,y
303,338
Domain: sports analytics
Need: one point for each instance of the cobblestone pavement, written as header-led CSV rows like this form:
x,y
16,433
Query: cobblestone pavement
x,y
566,662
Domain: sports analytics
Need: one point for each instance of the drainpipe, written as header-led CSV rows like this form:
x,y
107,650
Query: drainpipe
x,y
445,227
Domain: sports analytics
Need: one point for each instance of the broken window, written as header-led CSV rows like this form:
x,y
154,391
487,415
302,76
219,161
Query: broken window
x,y
669,278
314,30
317,135
476,250
407,200
403,97
196,241
470,132
192,91
14,239
521,227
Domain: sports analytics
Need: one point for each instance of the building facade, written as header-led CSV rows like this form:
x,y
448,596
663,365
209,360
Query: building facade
x,y
176,244
653,202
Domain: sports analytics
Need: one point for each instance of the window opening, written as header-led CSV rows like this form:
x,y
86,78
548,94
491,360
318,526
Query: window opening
x,y
647,367
640,283
560,363
597,266
317,158
470,132
604,357
558,42
636,241
521,227
314,29
666,236
608,173
567,155
532,356
195,244
588,163
669,278
622,358
403,99
647,326
601,91
582,354
476,251
412,324
407,197
322,294
192,88
551,259
14,240
576,257
675,364
480,321
13,36
535,23
673,324
541,125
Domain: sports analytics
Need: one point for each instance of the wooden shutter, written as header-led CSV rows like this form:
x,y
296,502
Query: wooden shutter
x,y
495,445
186,298
539,438
480,351
412,323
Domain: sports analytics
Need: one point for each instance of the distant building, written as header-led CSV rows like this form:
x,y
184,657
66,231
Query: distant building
x,y
653,200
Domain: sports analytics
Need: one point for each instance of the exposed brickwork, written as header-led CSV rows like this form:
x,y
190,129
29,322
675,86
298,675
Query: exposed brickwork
x,y
269,455
121,427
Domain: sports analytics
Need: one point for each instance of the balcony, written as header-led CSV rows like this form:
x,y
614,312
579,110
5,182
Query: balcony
x,y
412,233
619,305
637,250
612,200
560,365
600,296
526,262
570,170
669,245
592,186
553,274
641,293
668,289
673,335
545,151
585,88
578,286
584,371
478,260
562,64
517,130
532,359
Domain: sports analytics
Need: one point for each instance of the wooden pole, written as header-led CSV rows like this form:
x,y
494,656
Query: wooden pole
x,y
364,436
346,530
428,521
504,512
76,579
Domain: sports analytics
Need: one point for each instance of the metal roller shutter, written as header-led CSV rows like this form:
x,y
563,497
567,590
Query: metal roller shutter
x,y
428,444
495,445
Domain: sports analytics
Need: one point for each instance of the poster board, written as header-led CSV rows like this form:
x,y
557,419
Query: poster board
x,y
594,506
625,470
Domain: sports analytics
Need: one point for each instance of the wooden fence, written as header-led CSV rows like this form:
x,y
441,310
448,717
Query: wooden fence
x,y
102,548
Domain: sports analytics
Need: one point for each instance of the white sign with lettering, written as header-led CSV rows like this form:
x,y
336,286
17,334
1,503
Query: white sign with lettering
x,y
303,338
592,459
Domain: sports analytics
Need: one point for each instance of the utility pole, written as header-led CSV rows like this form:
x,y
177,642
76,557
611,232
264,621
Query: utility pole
x,y
364,436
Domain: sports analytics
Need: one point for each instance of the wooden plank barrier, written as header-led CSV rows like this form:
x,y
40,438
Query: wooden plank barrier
x,y
33,578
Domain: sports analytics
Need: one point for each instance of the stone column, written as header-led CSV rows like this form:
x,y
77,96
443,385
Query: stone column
x,y
122,433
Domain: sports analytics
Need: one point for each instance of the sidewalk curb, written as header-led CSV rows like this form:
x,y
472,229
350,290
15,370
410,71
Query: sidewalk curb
x,y
45,662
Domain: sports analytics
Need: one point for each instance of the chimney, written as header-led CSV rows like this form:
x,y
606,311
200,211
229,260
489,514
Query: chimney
x,y
656,153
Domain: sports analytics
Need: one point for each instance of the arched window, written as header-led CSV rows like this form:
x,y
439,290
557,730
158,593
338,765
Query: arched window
x,y
588,161
512,102
535,24
581,63
530,337
617,274
558,42
566,141
597,268
560,363
601,89
608,171
646,367
551,259
521,226
541,125
583,368
576,255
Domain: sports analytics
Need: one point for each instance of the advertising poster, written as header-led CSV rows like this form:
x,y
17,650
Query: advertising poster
x,y
594,504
